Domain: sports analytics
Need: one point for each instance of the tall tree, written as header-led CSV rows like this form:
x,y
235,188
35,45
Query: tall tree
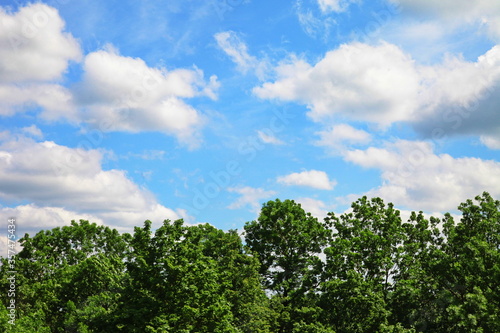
x,y
288,241
469,293
360,264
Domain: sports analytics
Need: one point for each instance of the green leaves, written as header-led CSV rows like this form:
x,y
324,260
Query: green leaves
x,y
192,279
287,241
361,271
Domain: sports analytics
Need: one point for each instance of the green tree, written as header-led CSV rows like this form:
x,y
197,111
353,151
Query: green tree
x,y
449,271
468,285
62,272
288,241
360,264
191,279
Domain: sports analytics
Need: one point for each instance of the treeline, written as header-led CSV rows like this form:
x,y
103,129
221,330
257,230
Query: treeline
x,y
363,271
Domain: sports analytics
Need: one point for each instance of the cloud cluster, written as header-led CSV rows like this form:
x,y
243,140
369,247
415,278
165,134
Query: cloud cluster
x,y
120,93
309,178
35,54
414,176
61,182
383,85
362,82
116,93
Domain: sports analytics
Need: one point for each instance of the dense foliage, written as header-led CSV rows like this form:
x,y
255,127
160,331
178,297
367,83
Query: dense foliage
x,y
362,271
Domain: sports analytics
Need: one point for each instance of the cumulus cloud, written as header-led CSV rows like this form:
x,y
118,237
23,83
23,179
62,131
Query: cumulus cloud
x,y
34,45
56,101
249,196
415,177
117,93
383,85
126,94
363,82
461,97
32,218
58,179
311,178
35,53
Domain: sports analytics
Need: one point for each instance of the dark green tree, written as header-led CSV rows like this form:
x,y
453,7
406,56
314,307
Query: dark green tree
x,y
469,296
65,272
288,241
191,279
361,262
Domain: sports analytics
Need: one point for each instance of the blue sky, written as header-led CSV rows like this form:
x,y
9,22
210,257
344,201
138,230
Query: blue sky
x,y
122,111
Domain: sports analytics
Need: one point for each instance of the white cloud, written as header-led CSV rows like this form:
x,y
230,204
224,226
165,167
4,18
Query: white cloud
x,y
31,219
334,5
249,197
484,14
33,131
491,142
35,53
58,179
117,93
125,94
316,207
315,26
312,178
231,44
269,138
237,50
56,101
34,45
415,177
339,135
383,85
375,83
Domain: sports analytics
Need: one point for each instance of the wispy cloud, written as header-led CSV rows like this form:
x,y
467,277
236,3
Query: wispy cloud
x,y
237,50
340,136
269,138
249,196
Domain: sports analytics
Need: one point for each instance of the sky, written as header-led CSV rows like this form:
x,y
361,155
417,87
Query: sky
x,y
122,111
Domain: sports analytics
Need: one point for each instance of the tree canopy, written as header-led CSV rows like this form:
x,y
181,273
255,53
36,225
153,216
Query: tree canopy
x,y
366,270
